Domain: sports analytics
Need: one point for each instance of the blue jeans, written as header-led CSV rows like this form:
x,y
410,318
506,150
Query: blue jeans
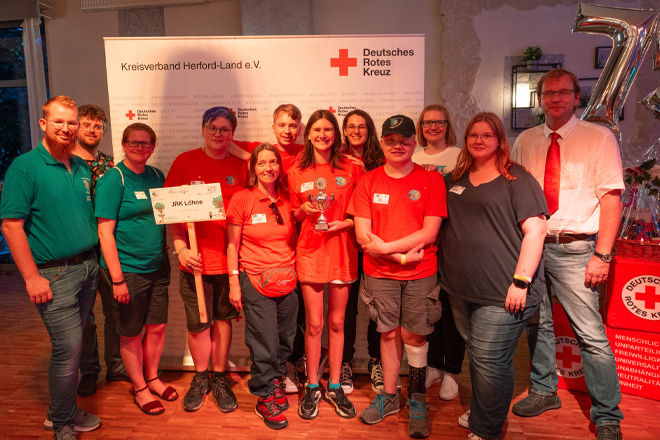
x,y
565,266
270,327
491,335
64,316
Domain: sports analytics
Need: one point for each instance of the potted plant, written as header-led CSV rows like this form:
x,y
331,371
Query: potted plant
x,y
532,55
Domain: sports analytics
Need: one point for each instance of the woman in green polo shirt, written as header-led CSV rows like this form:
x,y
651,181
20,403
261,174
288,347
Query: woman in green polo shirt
x,y
134,265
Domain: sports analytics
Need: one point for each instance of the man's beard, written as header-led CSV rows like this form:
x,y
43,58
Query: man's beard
x,y
87,146
59,148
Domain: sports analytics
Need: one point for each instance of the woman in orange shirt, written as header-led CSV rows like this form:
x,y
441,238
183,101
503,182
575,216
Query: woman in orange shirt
x,y
326,253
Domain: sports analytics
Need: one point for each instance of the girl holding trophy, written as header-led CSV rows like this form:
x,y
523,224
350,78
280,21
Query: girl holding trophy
x,y
320,186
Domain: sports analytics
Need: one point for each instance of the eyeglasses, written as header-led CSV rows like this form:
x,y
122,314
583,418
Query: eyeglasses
x,y
213,130
484,137
352,128
563,94
278,216
88,126
144,144
58,125
439,123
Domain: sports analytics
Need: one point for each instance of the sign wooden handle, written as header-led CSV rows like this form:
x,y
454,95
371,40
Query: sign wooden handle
x,y
199,287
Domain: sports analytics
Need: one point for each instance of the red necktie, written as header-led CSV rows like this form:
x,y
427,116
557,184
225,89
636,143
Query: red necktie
x,y
552,175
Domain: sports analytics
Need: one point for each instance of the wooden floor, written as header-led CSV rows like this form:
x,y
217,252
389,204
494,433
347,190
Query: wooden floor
x,y
25,352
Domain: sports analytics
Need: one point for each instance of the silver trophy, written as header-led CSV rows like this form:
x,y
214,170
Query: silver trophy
x,y
321,202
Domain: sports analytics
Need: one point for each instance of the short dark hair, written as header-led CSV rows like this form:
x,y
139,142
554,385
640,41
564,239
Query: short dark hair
x,y
556,74
92,111
138,126
214,113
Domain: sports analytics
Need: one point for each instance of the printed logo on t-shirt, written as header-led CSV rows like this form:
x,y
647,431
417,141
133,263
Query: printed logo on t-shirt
x,y
258,218
307,186
457,189
230,180
381,199
414,194
140,195
340,181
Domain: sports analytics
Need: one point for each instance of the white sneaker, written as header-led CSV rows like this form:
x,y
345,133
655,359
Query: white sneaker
x,y
291,382
433,375
449,388
463,419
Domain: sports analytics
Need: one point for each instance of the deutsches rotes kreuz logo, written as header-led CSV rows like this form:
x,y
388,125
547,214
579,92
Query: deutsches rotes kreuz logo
x,y
340,181
641,296
231,180
395,122
414,194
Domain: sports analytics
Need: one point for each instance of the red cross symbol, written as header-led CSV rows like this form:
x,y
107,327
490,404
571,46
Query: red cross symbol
x,y
130,115
649,297
332,110
567,357
343,62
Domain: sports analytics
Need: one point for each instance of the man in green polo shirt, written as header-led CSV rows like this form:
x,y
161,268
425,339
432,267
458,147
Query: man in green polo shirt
x,y
48,221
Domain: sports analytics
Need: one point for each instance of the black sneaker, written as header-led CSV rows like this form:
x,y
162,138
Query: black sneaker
x,y
224,396
346,377
609,432
87,385
536,404
343,407
84,421
376,372
309,405
199,385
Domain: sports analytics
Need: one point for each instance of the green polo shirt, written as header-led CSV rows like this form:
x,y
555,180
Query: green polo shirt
x,y
140,241
56,204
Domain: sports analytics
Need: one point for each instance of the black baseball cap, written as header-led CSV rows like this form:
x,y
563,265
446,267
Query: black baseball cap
x,y
399,124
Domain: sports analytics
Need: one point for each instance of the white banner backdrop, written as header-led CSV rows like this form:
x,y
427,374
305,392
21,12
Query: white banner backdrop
x,y
168,83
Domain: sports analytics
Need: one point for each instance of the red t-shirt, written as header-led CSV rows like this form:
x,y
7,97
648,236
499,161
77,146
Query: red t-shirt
x,y
264,243
325,256
289,157
195,167
396,208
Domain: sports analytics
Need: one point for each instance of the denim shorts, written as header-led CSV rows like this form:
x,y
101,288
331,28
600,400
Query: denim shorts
x,y
411,304
216,295
149,300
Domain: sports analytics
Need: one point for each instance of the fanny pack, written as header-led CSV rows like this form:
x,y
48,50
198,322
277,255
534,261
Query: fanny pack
x,y
278,281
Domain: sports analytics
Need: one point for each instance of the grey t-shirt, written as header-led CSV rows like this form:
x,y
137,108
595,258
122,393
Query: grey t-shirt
x,y
481,239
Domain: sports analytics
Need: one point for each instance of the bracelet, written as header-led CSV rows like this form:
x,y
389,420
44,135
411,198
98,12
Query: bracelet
x,y
118,283
522,278
352,222
233,272
403,260
180,250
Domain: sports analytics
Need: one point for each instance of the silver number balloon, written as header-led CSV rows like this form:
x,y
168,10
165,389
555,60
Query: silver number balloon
x,y
632,32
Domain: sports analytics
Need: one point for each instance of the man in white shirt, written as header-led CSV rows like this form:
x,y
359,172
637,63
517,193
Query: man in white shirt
x,y
581,232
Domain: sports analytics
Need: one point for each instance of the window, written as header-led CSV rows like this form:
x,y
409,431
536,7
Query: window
x,y
14,111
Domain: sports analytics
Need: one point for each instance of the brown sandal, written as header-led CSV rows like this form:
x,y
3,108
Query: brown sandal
x,y
148,408
169,394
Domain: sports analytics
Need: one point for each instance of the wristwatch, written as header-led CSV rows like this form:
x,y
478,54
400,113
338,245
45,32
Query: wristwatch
x,y
605,257
521,284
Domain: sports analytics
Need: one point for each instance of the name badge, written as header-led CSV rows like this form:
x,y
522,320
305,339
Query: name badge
x,y
457,189
382,199
306,187
258,218
140,195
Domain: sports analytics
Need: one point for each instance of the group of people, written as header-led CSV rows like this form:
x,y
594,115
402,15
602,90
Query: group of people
x,y
453,250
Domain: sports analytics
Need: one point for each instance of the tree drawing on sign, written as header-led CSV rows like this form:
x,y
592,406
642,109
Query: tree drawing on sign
x,y
160,207
217,202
